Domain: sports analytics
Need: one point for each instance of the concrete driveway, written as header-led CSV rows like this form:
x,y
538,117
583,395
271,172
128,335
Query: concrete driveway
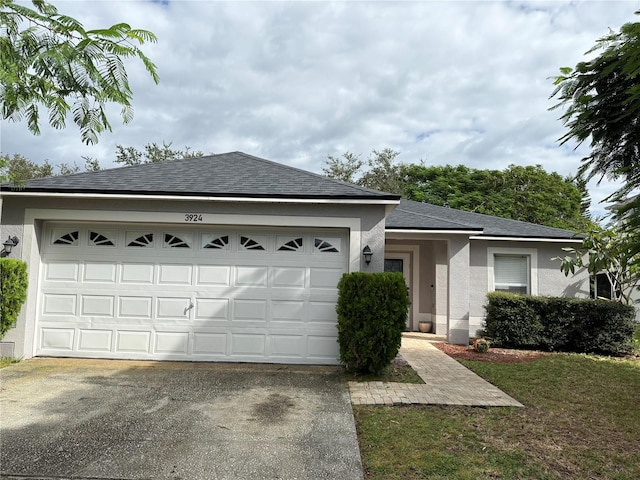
x,y
69,418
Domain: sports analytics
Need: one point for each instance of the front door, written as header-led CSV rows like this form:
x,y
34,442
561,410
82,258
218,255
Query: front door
x,y
401,262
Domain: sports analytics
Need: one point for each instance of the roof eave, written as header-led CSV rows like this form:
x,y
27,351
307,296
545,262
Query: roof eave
x,y
426,231
204,197
527,239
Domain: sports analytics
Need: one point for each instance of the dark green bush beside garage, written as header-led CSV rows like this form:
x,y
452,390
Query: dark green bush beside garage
x,y
372,314
13,292
559,324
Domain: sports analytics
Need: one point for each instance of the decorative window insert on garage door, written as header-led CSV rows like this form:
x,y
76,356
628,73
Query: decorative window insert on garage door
x,y
170,292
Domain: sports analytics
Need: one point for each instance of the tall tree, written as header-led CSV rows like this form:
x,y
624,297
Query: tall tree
x,y
601,98
382,173
343,168
49,60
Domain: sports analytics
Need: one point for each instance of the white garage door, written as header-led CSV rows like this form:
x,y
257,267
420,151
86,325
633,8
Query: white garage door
x,y
175,293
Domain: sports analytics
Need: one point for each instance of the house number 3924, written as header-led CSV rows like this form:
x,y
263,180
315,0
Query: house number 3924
x,y
192,217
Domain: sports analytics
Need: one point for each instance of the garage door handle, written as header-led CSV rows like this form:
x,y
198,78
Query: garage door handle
x,y
188,308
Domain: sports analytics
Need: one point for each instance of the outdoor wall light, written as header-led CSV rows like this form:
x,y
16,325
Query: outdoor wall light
x,y
367,253
9,244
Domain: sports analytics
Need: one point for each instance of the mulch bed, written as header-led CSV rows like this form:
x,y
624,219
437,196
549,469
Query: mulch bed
x,y
495,355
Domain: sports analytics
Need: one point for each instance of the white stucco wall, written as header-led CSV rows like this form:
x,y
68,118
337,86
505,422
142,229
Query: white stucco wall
x,y
366,223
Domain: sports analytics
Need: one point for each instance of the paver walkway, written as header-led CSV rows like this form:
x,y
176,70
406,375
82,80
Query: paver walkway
x,y
446,382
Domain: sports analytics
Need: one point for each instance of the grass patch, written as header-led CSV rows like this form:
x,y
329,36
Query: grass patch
x,y
398,371
581,420
6,361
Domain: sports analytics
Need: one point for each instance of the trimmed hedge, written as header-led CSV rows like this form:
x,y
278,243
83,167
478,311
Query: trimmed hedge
x,y
559,324
13,292
372,314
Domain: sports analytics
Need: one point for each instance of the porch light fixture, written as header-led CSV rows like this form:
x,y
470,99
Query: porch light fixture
x,y
367,253
9,244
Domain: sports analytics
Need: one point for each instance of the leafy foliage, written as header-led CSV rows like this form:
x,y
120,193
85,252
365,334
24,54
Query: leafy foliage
x,y
17,169
610,251
372,313
526,193
561,324
13,290
602,101
344,169
382,173
50,60
153,153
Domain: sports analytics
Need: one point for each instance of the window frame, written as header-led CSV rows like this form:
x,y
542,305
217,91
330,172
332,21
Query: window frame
x,y
532,265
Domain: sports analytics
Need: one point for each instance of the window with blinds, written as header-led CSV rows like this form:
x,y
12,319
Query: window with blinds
x,y
511,273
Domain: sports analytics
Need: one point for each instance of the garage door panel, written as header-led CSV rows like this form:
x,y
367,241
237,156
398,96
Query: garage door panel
x,y
97,305
135,307
140,273
128,341
289,277
171,342
59,304
248,344
57,339
181,293
291,346
62,271
173,307
212,309
175,274
95,340
287,311
101,272
210,344
249,310
323,312
253,276
325,277
219,275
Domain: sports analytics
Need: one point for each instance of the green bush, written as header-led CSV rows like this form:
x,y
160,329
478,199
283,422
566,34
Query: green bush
x,y
604,327
561,324
372,314
13,292
511,320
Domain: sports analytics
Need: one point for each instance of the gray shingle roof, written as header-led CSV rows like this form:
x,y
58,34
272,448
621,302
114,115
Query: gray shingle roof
x,y
233,174
424,216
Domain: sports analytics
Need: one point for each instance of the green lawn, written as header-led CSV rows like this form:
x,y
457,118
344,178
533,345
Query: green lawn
x,y
581,420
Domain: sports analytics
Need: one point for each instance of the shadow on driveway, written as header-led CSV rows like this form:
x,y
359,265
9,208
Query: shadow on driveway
x,y
71,418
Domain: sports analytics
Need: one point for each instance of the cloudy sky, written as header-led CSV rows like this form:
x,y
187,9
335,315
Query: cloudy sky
x,y
444,82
